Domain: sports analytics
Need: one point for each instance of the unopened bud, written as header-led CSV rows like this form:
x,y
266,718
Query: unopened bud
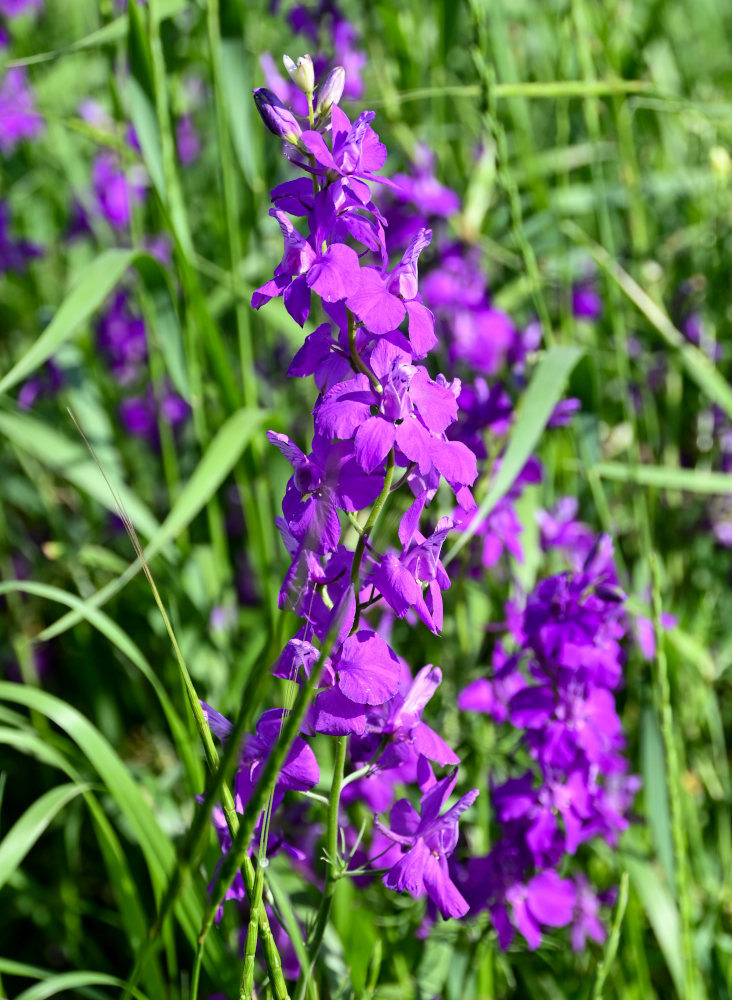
x,y
301,73
278,119
331,91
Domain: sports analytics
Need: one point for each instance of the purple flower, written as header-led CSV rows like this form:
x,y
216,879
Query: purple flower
x,y
13,8
586,302
331,272
429,839
19,119
121,337
187,140
46,383
14,254
115,191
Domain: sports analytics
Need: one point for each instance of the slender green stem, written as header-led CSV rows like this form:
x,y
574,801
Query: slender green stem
x,y
237,857
196,970
356,360
332,872
247,977
611,947
674,778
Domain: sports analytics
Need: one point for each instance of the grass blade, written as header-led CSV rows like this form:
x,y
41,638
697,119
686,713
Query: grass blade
x,y
21,837
543,393
218,461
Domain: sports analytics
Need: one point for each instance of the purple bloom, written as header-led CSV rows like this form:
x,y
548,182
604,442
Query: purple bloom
x,y
46,383
19,119
115,191
429,839
14,254
121,337
13,8
586,302
187,140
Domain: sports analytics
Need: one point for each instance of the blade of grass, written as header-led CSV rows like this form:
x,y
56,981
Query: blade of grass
x,y
698,366
215,465
537,404
116,635
23,834
666,478
156,847
70,460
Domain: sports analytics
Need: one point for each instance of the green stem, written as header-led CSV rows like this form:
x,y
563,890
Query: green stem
x,y
237,856
674,779
332,873
247,977
356,360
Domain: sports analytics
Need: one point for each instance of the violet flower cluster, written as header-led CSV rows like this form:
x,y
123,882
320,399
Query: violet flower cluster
x,y
553,681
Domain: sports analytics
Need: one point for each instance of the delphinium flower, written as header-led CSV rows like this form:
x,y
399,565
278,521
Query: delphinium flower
x,y
586,301
554,681
122,339
14,8
379,415
19,119
14,253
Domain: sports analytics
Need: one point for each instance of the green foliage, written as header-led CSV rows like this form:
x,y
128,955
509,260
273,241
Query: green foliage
x,y
577,135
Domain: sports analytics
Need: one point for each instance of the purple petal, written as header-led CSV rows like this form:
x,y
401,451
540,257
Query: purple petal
x,y
374,440
368,671
430,745
297,299
407,873
421,329
374,304
551,899
335,274
532,707
441,890
337,715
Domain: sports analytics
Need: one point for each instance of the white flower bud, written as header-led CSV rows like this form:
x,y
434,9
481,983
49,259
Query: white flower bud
x,y
301,73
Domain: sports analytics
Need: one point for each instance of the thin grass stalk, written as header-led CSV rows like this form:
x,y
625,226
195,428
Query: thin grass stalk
x,y
332,873
272,958
611,946
675,787
246,989
505,177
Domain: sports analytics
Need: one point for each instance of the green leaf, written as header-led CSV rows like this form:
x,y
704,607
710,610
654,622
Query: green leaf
x,y
26,831
118,637
105,35
218,461
542,394
142,98
698,366
65,982
131,910
666,478
84,298
157,849
71,460
662,914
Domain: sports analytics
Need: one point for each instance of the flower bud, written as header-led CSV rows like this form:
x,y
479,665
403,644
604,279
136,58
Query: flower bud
x,y
331,91
301,73
278,119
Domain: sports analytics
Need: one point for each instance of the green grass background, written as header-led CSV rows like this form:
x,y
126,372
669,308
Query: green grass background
x,y
574,132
